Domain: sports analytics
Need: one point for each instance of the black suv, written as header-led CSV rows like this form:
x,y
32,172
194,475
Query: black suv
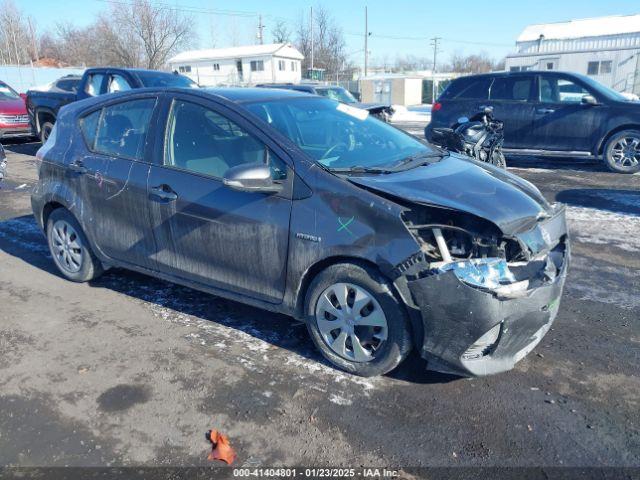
x,y
550,113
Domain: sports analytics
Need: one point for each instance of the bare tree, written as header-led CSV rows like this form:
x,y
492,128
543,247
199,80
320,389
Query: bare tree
x,y
328,42
280,33
137,34
475,63
16,42
145,34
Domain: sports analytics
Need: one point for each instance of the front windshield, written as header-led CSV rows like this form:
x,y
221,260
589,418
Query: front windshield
x,y
7,93
340,136
162,79
337,93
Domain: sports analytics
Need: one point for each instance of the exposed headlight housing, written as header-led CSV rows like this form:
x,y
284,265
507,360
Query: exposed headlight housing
x,y
487,273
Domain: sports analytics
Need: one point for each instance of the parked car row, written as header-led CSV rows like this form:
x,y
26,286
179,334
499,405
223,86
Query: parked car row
x,y
299,204
341,94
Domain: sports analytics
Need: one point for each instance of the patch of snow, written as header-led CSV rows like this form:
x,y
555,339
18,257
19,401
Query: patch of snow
x,y
601,227
337,399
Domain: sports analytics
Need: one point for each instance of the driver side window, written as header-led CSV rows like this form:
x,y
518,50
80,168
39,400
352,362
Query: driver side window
x,y
560,90
202,141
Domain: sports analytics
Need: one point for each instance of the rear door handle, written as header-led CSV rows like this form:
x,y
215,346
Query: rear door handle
x,y
544,111
164,192
78,167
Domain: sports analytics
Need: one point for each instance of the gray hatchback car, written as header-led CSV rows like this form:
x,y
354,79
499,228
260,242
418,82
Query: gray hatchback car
x,y
299,204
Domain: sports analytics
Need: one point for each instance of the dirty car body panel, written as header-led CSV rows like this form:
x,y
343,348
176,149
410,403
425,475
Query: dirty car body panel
x,y
476,255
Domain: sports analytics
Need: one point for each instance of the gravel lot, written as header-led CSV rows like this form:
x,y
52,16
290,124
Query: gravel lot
x,y
131,370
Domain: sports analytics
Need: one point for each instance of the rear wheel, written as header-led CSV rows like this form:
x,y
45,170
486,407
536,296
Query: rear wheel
x,y
622,152
45,131
356,321
70,249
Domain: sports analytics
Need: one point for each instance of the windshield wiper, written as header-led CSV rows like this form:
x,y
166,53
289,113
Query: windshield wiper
x,y
418,156
361,169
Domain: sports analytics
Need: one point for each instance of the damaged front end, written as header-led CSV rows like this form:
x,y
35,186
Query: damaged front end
x,y
486,298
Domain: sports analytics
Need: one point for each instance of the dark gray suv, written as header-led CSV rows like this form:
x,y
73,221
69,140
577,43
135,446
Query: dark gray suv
x,y
306,206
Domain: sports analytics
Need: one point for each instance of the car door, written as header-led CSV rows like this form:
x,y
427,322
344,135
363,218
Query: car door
x,y
110,174
512,99
205,231
561,121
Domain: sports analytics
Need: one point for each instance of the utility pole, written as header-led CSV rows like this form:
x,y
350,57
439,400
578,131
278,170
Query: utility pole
x,y
366,40
260,30
435,44
33,39
311,24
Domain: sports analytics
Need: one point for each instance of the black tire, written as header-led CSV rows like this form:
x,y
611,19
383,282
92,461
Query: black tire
x,y
398,343
90,267
45,131
614,163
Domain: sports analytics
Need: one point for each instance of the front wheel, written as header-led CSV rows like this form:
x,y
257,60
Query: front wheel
x,y
622,152
356,321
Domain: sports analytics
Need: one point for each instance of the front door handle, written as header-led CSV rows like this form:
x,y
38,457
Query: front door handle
x,y
164,192
544,111
78,167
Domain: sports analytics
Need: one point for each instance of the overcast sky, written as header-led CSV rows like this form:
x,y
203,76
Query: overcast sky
x,y
397,26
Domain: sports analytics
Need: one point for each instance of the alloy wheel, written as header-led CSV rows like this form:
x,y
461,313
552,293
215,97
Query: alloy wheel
x,y
625,153
66,246
351,322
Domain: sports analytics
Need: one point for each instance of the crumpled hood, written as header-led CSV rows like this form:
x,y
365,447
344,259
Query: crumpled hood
x,y
508,201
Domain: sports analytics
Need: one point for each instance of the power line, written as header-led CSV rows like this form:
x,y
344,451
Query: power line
x,y
419,39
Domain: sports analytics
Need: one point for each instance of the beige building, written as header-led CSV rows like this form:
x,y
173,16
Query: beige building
x,y
391,89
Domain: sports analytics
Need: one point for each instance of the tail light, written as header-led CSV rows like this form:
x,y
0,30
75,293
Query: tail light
x,y
436,106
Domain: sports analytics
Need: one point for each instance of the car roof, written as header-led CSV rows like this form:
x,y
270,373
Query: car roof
x,y
242,95
516,74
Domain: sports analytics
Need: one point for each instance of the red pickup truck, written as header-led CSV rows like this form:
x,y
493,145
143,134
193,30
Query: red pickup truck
x,y
14,121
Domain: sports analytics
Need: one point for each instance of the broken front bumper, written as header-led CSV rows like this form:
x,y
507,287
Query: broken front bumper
x,y
472,331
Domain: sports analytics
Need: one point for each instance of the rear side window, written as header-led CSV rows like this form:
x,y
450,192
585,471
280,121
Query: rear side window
x,y
89,127
511,88
468,88
121,129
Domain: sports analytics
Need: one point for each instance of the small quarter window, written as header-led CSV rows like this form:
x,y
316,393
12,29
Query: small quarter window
x,y
89,127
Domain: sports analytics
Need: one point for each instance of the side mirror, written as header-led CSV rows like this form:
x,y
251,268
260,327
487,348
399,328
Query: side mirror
x,y
251,177
463,120
23,96
589,100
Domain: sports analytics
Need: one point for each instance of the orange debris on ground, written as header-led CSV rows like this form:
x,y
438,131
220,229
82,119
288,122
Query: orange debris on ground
x,y
220,447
